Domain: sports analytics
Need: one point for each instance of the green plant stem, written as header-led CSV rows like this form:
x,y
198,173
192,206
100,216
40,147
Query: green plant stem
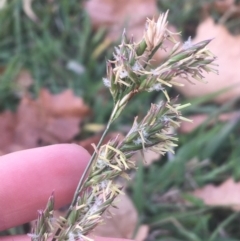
x,y
81,182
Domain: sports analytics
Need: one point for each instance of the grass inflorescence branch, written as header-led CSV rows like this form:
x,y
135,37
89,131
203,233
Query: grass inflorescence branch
x,y
128,74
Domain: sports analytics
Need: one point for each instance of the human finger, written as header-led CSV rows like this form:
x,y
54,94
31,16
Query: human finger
x,y
27,179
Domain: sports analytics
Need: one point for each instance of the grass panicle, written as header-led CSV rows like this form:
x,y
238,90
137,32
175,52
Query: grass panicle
x,y
128,74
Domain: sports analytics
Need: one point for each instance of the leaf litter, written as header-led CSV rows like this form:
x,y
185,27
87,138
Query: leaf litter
x,y
226,47
49,119
227,194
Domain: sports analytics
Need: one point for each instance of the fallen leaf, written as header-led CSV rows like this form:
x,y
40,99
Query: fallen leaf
x,y
29,123
227,194
142,233
223,5
7,126
150,157
49,119
120,222
60,130
64,104
117,15
197,120
226,47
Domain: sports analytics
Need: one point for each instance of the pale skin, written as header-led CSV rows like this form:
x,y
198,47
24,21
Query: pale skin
x,y
27,179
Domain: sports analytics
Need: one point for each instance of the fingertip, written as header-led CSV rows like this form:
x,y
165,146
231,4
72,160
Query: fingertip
x,y
30,176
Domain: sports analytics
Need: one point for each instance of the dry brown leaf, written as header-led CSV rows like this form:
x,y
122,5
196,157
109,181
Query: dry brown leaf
x,y
227,194
60,129
226,47
150,157
29,123
197,120
47,120
223,5
225,9
7,126
64,104
117,15
120,222
142,233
